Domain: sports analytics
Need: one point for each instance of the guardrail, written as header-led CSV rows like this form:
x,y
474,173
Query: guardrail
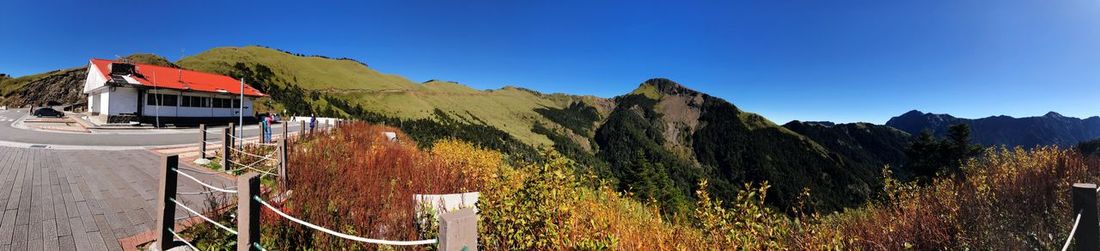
x,y
1085,234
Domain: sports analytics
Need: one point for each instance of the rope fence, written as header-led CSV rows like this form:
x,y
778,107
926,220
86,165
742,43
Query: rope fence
x,y
207,219
211,187
342,235
177,236
1085,233
249,204
1071,232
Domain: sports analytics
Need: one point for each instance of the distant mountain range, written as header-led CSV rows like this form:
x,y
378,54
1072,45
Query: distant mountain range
x,y
656,142
1049,129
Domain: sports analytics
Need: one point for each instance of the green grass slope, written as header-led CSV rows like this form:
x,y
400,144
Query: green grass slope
x,y
512,110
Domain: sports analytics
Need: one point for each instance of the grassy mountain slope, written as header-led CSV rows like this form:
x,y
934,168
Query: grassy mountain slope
x,y
509,109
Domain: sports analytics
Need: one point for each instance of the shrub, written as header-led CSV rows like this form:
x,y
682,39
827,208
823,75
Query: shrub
x,y
1008,199
356,181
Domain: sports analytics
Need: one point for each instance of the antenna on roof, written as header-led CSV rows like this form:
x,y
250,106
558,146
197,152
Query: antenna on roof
x,y
179,69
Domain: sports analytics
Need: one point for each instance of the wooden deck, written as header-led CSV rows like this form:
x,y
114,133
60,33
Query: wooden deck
x,y
80,199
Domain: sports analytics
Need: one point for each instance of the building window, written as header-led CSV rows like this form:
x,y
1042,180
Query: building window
x,y
161,99
236,103
217,103
193,101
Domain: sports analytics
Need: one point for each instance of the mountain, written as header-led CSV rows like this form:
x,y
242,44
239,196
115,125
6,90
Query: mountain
x,y
656,142
864,144
1049,129
58,87
662,138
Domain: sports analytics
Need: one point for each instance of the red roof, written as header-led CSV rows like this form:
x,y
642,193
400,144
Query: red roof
x,y
167,77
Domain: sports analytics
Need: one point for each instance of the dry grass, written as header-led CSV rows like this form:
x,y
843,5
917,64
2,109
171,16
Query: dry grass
x,y
1009,199
356,181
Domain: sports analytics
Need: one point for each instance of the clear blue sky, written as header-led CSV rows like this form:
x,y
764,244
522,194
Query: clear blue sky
x,y
808,60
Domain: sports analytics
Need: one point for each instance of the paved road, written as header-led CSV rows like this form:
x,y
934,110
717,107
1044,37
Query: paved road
x,y
81,199
128,138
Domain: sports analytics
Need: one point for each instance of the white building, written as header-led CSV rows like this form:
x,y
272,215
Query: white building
x,y
121,92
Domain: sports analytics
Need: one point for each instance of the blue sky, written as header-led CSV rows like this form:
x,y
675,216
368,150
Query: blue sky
x,y
808,60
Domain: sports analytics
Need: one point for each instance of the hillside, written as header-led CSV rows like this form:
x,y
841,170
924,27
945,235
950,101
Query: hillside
x,y
276,72
1049,129
663,138
862,144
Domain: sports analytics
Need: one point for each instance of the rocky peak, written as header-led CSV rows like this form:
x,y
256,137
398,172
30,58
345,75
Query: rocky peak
x,y
667,87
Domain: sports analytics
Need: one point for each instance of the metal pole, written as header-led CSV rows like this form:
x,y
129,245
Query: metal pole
x,y
248,212
166,209
1087,236
241,114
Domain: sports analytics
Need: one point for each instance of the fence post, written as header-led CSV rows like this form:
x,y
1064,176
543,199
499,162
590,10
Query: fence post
x,y
166,209
286,130
248,211
232,132
202,141
284,181
458,230
1087,236
227,142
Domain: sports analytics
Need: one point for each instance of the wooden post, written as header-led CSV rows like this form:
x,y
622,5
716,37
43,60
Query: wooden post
x,y
232,132
458,230
284,181
202,141
248,211
286,130
1087,236
227,142
166,209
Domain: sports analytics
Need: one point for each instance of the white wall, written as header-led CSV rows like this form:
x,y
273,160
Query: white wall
x,y
104,99
92,106
121,100
94,80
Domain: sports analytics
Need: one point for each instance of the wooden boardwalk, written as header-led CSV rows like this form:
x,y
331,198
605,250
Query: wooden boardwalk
x,y
80,199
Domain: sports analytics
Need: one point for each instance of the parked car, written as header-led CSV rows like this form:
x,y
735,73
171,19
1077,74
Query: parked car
x,y
48,112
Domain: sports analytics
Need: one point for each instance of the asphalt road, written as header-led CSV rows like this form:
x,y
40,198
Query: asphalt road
x,y
105,138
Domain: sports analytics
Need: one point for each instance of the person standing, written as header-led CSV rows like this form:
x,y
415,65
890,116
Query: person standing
x,y
312,122
267,129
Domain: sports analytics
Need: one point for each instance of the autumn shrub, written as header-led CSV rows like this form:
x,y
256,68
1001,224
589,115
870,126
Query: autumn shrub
x,y
541,206
1007,199
744,223
356,181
